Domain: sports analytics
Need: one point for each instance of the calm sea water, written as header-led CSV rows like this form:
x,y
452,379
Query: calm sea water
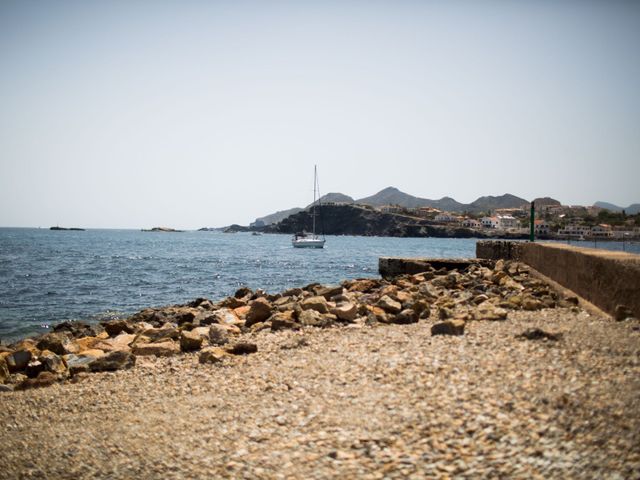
x,y
50,276
47,277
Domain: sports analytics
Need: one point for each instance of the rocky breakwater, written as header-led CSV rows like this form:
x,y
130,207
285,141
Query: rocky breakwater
x,y
446,300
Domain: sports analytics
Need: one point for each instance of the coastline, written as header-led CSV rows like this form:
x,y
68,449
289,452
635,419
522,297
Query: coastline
x,y
288,393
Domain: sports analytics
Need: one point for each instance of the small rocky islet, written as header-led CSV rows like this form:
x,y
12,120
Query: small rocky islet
x,y
481,372
447,299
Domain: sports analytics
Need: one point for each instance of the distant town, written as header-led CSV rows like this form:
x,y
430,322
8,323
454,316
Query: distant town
x,y
552,221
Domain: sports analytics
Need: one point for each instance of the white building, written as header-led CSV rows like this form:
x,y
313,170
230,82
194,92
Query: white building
x,y
575,231
541,227
490,222
445,217
471,223
602,231
507,221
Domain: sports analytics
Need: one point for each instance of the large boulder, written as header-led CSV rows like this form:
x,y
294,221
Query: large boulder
x,y
389,305
18,360
190,341
78,363
57,343
283,320
259,311
225,316
317,303
346,312
329,292
115,327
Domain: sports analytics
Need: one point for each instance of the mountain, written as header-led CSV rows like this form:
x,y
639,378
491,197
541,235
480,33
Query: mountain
x,y
484,204
547,202
274,217
335,198
393,196
630,210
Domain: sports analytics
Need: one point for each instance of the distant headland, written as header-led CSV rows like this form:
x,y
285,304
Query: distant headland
x,y
74,229
162,229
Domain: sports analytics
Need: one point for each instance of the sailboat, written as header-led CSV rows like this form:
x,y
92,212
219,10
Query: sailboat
x,y
306,240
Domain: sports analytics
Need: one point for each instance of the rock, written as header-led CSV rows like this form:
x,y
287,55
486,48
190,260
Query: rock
x,y
346,312
448,327
422,307
159,349
122,341
428,291
480,299
164,333
538,334
362,285
405,317
310,318
18,360
329,292
203,303
4,370
389,305
44,379
444,313
78,363
212,355
489,312
224,316
57,343
317,303
34,368
282,320
233,302
622,312
116,360
218,335
242,348
185,315
530,304
190,341
292,292
78,329
259,311
115,327
243,292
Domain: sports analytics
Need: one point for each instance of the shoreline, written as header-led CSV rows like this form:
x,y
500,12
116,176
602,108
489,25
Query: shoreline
x,y
497,375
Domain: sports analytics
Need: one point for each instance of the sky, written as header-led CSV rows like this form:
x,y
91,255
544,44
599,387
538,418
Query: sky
x,y
135,114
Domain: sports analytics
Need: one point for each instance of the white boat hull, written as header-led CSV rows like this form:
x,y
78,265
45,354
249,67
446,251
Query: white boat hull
x,y
307,243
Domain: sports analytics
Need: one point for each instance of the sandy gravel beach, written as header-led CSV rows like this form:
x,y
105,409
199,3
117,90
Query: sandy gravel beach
x,y
382,401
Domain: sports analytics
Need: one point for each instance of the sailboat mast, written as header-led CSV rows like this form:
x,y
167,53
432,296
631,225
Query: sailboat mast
x,y
313,209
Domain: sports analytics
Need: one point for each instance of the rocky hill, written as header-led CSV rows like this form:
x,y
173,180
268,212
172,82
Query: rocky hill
x,y
275,217
484,204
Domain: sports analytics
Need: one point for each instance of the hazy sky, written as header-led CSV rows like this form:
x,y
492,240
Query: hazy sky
x,y
190,114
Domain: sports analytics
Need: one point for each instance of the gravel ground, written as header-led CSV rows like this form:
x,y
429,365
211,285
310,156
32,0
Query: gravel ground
x,y
383,401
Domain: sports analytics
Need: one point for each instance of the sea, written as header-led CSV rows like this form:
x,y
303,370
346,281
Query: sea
x,y
47,277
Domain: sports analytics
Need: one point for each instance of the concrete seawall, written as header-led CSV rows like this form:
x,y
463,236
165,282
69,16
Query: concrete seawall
x,y
605,278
